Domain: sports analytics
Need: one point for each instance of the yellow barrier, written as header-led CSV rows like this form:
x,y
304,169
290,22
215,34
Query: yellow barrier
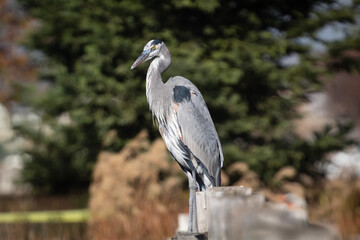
x,y
67,216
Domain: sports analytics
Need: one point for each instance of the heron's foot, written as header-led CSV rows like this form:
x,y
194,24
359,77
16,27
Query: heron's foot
x,y
190,225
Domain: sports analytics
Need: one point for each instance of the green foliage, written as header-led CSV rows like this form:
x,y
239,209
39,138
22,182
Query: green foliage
x,y
230,49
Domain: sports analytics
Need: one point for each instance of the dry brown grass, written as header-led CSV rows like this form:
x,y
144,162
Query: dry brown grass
x,y
337,203
136,193
349,218
155,219
151,223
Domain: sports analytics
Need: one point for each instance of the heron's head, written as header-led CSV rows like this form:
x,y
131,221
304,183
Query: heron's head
x,y
151,50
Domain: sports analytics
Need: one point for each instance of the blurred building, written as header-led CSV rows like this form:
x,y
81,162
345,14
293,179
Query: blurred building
x,y
10,158
338,103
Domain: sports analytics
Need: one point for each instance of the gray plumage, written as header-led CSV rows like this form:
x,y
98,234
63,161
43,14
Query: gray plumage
x,y
184,122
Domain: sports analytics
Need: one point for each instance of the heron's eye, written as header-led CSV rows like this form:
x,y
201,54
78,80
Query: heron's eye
x,y
154,47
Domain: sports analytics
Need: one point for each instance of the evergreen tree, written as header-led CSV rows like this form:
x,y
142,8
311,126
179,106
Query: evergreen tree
x,y
233,51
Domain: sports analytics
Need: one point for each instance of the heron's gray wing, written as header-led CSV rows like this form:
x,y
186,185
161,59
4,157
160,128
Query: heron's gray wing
x,y
197,128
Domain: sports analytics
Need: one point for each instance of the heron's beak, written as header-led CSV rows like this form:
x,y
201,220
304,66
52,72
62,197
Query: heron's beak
x,y
142,58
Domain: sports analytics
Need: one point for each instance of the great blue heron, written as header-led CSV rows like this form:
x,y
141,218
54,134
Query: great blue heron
x,y
184,122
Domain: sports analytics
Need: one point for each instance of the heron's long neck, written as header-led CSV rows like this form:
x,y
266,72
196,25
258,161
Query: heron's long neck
x,y
155,88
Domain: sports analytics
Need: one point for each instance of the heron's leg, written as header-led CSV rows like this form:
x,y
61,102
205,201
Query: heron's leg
x,y
190,224
192,203
194,228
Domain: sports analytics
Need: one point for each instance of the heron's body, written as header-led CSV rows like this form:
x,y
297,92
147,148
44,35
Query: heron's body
x,y
185,124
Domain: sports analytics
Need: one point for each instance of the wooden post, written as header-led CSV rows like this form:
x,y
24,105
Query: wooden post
x,y
224,204
235,213
203,201
201,210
